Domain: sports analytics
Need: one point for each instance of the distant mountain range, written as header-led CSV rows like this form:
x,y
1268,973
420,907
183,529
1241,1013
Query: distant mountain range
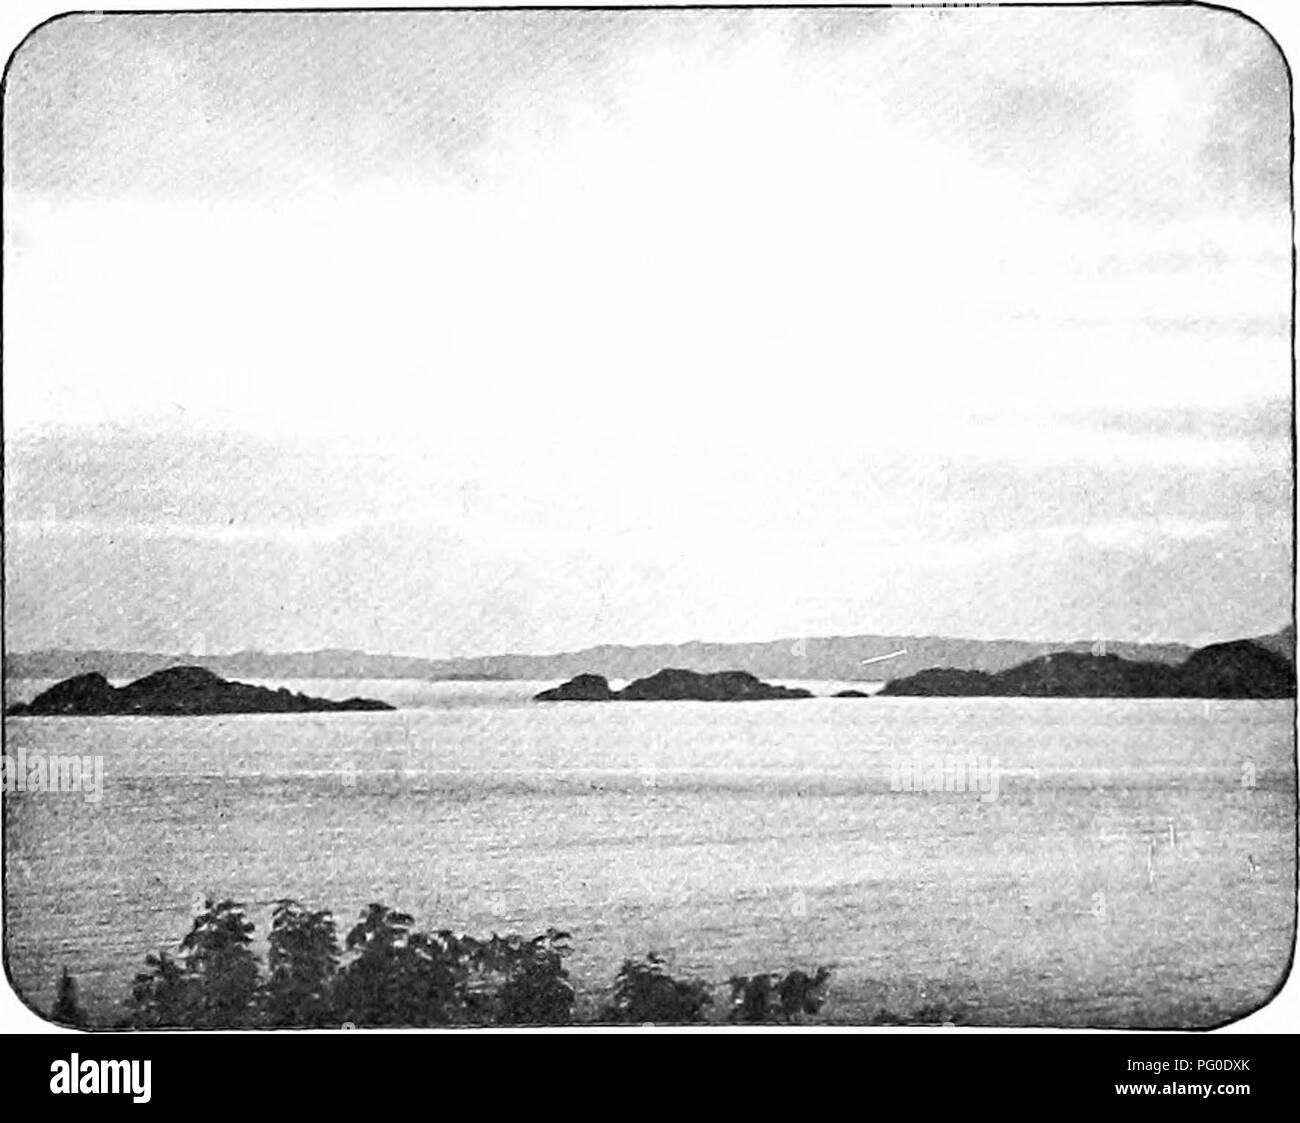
x,y
867,658
327,663
1240,669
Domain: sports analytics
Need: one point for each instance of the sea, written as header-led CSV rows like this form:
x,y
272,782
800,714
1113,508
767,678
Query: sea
x,y
1118,862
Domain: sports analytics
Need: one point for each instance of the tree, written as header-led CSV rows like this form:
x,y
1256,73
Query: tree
x,y
440,973
756,999
379,986
165,995
220,961
534,987
645,992
386,974
66,1009
303,958
801,993
404,978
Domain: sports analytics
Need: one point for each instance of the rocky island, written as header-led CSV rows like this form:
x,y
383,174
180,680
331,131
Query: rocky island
x,y
177,691
1240,669
673,685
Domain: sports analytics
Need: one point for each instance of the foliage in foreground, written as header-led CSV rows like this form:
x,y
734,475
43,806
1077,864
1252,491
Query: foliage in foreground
x,y
66,1009
756,999
385,973
645,992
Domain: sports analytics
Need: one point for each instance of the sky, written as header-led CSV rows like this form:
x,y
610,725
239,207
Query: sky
x,y
456,333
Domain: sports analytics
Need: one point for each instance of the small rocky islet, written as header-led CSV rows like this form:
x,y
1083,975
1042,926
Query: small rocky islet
x,y
673,685
176,692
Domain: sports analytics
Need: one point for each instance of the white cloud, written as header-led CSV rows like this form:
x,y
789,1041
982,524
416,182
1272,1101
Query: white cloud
x,y
672,290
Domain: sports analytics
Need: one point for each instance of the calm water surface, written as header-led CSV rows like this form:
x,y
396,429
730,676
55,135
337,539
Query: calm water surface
x,y
1126,874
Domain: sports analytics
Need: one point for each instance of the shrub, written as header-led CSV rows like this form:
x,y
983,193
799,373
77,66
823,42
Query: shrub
x,y
386,974
218,955
214,983
303,958
382,985
759,999
534,987
66,1010
165,995
645,992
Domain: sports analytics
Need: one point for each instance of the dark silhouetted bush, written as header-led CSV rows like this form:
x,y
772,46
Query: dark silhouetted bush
x,y
534,986
303,958
386,974
218,954
395,978
66,1009
645,992
165,995
760,999
214,983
